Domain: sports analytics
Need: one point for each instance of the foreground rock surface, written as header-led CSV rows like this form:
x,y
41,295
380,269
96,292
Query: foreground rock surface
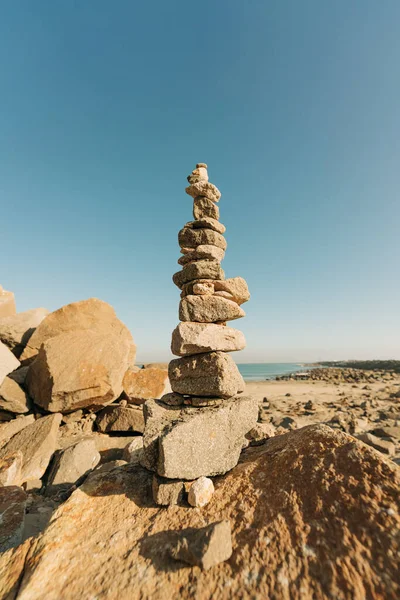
x,y
187,443
314,514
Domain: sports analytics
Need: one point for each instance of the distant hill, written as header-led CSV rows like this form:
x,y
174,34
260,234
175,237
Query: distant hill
x,y
368,365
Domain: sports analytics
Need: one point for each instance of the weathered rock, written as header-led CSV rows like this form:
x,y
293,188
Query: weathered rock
x,y
8,430
202,252
72,464
237,287
200,492
384,446
203,207
208,309
203,289
80,316
133,451
388,432
193,338
12,515
79,369
200,269
16,330
8,362
201,442
13,398
142,384
118,418
204,188
37,443
173,399
300,530
208,374
204,547
167,492
191,238
10,469
207,223
260,433
7,303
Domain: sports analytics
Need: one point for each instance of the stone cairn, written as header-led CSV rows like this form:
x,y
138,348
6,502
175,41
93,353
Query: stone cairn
x,y
199,429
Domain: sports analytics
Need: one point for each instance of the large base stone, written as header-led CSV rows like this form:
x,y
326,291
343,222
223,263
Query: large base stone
x,y
186,443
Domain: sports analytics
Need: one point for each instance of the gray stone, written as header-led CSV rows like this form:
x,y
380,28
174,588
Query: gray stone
x,y
72,464
200,269
187,443
209,309
133,451
191,238
167,492
212,374
121,418
12,515
194,338
13,398
16,330
19,375
203,207
204,547
8,362
37,443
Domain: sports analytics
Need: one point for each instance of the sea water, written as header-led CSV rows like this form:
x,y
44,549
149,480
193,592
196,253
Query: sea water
x,y
262,371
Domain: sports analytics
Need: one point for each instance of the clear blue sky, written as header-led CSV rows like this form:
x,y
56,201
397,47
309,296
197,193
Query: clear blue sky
x,y
105,107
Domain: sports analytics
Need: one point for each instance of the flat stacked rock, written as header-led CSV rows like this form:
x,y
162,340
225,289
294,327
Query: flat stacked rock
x,y
204,409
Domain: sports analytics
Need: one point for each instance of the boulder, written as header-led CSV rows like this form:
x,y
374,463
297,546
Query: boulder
x,y
207,223
204,547
8,430
79,369
7,303
144,384
203,207
13,398
193,338
202,252
167,492
200,269
209,374
80,316
209,309
200,492
205,189
8,362
236,287
10,469
71,464
191,238
16,330
12,515
314,515
37,443
201,442
121,418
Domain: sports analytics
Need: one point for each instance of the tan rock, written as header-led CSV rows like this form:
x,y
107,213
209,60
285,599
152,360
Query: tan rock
x,y
8,430
204,547
203,289
12,515
200,492
201,269
194,338
203,207
8,362
10,469
226,295
210,374
236,286
191,238
280,506
208,309
202,253
260,433
143,384
204,188
72,463
207,223
79,369
187,443
16,330
80,316
167,492
37,443
118,418
198,174
7,303
385,446
13,398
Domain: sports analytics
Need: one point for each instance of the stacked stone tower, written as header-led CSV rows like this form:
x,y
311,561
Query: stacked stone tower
x,y
199,428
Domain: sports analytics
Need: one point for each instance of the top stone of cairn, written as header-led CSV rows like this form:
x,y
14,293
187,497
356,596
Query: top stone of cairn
x,y
200,186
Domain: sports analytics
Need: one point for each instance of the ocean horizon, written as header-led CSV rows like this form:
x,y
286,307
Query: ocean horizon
x,y
263,371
